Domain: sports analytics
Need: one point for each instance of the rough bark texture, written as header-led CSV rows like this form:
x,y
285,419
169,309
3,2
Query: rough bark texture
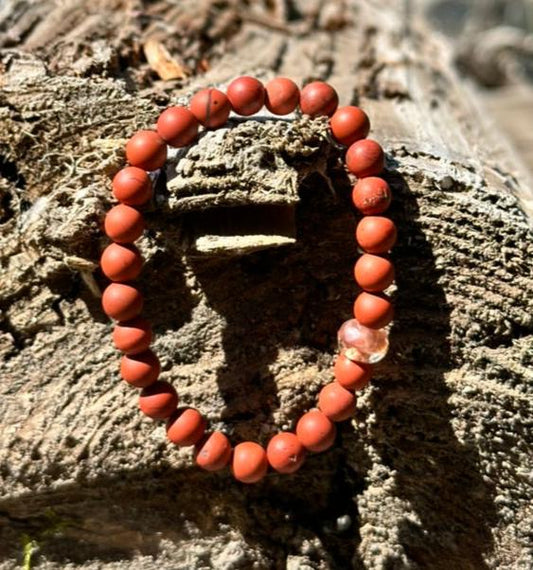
x,y
434,471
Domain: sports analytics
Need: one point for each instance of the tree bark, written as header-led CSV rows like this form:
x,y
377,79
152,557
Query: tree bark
x,y
435,469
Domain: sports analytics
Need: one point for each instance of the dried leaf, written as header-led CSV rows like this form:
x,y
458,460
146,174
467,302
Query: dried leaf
x,y
160,60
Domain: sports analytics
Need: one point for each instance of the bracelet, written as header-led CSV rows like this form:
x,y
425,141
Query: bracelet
x,y
363,340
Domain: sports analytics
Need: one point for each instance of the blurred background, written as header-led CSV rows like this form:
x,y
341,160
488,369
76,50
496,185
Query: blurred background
x,y
493,43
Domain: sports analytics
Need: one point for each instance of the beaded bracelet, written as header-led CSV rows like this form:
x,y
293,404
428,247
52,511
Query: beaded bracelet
x,y
363,340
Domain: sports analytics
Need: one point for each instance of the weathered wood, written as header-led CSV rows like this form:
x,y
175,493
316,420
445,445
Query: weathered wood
x,y
434,471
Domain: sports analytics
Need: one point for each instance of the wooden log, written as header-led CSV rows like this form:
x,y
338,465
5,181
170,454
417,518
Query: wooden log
x,y
434,471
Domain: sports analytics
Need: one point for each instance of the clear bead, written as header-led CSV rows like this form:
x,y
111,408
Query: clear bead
x,y
361,344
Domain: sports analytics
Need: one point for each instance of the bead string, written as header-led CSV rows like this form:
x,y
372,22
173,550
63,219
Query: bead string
x,y
362,340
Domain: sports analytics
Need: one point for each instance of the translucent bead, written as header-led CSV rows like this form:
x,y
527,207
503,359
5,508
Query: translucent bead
x,y
362,344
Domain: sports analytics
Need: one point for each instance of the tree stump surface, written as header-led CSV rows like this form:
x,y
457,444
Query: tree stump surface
x,y
249,255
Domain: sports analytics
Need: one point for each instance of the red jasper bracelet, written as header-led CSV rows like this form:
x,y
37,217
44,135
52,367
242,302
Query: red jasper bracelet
x,y
363,340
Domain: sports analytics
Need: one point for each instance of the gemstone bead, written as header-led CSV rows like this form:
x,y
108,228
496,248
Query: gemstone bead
x,y
121,262
177,126
315,431
365,158
250,463
349,124
373,272
132,337
122,302
361,344
213,451
140,370
352,375
281,96
123,224
318,98
375,234
285,453
336,402
211,108
246,95
185,427
159,400
132,186
371,195
146,150
373,310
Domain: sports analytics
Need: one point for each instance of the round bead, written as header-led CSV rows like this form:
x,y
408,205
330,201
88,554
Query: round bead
x,y
282,96
211,107
318,98
337,403
373,272
140,370
371,195
315,431
246,95
147,150
249,463
349,124
158,401
362,344
375,234
213,451
177,126
373,311
185,427
132,337
132,186
352,375
123,224
285,453
365,158
121,302
121,262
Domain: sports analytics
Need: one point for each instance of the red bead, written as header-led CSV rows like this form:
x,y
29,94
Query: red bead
x,y
185,427
375,234
373,272
132,186
318,98
121,301
123,224
371,195
315,431
349,124
211,107
365,158
177,126
147,150
132,337
121,262
352,375
158,401
213,451
285,453
337,403
140,370
249,463
373,311
282,96
246,95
